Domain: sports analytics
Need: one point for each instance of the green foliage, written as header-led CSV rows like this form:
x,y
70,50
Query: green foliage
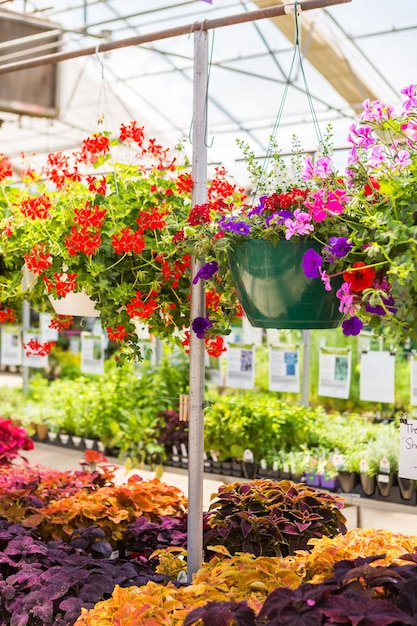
x,y
261,423
121,408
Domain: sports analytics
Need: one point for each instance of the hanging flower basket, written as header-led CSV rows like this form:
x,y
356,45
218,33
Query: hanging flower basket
x,y
273,289
75,304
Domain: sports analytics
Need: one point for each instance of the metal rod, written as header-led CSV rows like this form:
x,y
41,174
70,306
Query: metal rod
x,y
305,381
25,327
197,309
168,33
19,41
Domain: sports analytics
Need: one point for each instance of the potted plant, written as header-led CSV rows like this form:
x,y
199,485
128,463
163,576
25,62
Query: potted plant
x,y
359,227
113,220
384,451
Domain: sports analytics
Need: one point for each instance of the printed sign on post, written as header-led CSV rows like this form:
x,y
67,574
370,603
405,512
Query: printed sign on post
x,y
240,366
377,377
334,372
11,345
92,353
284,369
407,463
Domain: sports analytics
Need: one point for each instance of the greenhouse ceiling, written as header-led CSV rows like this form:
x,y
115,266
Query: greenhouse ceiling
x,y
259,83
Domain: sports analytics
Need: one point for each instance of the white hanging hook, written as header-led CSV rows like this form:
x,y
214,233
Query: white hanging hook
x,y
291,7
99,58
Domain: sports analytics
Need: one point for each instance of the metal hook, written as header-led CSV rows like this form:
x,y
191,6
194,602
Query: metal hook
x,y
99,59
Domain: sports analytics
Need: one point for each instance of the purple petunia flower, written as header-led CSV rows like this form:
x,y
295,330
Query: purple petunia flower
x,y
279,217
352,326
201,325
337,247
379,309
312,261
207,271
257,210
238,227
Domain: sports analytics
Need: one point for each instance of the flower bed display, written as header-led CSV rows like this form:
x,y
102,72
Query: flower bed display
x,y
76,549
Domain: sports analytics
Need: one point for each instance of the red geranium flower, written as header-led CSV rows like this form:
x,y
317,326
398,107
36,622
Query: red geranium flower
x,y
359,279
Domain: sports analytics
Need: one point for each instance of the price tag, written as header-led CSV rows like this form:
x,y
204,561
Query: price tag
x,y
384,466
363,466
248,456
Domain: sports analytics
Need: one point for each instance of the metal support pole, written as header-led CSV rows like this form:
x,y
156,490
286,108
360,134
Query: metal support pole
x,y
197,309
305,382
25,326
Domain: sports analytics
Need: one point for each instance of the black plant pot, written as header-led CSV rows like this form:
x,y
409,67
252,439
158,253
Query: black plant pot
x,y
227,468
216,467
348,480
263,472
407,487
237,468
384,483
250,469
368,484
275,475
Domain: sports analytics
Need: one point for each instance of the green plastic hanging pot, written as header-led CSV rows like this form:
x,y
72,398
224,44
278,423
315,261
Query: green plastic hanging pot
x,y
274,291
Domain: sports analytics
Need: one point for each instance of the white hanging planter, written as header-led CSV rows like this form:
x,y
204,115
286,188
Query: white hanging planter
x,y
29,279
76,304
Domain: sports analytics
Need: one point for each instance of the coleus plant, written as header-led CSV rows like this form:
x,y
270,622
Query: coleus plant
x,y
29,488
356,594
49,583
112,508
271,518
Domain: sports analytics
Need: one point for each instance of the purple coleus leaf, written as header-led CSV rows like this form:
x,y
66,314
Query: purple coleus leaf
x,y
222,614
19,618
25,545
44,609
72,608
294,607
355,609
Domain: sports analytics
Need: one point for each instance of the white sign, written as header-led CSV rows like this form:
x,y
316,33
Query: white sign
x,y
50,334
377,377
214,370
284,369
11,345
92,353
33,339
251,334
240,371
407,463
335,366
